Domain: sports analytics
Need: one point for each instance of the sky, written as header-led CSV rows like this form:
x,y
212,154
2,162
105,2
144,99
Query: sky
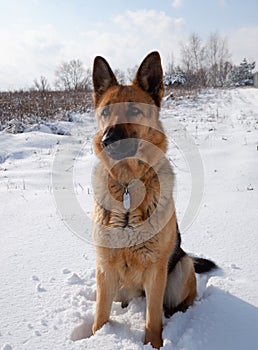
x,y
36,36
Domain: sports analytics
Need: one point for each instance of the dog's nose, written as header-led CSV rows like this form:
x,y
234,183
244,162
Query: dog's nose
x,y
117,144
113,134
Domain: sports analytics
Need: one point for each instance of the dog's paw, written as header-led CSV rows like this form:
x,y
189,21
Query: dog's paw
x,y
155,340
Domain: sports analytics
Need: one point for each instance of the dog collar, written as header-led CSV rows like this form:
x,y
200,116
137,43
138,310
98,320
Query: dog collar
x,y
126,195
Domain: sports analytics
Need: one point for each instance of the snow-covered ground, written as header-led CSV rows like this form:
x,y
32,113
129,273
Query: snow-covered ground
x,y
47,291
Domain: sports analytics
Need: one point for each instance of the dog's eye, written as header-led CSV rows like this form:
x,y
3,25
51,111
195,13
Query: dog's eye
x,y
133,111
105,112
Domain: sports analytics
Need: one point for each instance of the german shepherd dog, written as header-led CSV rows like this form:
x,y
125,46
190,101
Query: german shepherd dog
x,y
138,244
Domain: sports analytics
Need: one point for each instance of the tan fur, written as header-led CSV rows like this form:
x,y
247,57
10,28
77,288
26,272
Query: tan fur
x,y
181,284
130,265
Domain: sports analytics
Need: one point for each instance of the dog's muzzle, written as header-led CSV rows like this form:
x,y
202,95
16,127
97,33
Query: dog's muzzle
x,y
117,144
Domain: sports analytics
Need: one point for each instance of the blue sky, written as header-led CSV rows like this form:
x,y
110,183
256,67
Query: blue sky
x,y
37,35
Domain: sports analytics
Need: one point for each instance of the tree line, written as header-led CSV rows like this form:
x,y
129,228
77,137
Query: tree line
x,y
208,64
202,64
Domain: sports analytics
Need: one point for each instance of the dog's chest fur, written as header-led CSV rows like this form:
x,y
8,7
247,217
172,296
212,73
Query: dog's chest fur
x,y
127,240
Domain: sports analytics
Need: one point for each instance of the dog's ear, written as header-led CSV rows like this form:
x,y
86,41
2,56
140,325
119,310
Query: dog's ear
x,y
150,77
102,77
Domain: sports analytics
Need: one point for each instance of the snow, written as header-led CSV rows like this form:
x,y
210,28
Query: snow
x,y
48,288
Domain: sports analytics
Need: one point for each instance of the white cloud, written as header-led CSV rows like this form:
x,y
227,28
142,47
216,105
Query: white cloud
x,y
27,54
177,3
242,43
123,41
136,34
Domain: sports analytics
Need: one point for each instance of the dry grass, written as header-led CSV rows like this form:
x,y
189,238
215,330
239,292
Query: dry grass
x,y
29,107
45,105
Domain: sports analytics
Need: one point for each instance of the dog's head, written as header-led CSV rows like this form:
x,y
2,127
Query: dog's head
x,y
128,116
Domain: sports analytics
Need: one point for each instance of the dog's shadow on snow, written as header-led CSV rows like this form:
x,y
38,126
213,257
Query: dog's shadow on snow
x,y
217,320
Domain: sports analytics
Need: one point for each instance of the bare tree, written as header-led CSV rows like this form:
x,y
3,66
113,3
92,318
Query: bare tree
x,y
170,66
198,52
120,75
218,57
186,57
131,72
41,84
71,75
86,83
193,60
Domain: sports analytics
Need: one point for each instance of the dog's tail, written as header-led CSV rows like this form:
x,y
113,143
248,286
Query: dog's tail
x,y
203,265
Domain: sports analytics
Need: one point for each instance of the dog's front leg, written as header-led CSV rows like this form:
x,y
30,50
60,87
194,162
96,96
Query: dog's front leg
x,y
154,289
106,289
